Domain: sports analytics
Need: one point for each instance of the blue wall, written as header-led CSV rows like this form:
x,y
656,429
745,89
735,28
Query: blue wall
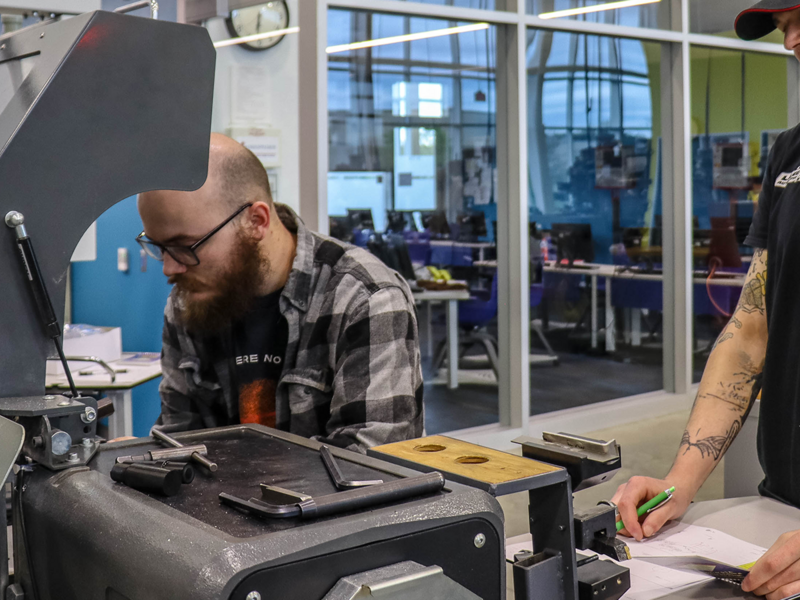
x,y
102,295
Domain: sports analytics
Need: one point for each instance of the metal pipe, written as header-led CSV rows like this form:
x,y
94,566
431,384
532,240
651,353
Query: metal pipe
x,y
133,6
171,441
184,453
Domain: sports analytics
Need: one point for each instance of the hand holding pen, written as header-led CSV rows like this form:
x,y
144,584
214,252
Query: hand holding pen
x,y
651,505
648,495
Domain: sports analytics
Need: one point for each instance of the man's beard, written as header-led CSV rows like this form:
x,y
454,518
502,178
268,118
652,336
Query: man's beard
x,y
235,290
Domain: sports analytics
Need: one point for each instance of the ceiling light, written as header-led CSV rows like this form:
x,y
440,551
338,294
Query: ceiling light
x,y
397,39
594,8
255,37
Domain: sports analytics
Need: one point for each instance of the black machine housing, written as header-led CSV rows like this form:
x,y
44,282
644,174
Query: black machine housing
x,y
93,539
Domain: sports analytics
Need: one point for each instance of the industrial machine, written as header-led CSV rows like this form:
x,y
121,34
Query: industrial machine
x,y
100,107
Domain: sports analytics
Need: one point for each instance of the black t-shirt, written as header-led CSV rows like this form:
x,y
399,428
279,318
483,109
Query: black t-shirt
x,y
259,345
776,227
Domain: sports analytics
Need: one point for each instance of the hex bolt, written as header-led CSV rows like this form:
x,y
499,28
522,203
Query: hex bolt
x,y
72,457
253,596
60,442
480,540
89,415
87,442
66,402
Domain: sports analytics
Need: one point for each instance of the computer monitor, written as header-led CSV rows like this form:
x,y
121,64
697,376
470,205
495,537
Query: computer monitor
x,y
392,250
724,248
339,228
396,221
436,223
361,218
471,226
573,241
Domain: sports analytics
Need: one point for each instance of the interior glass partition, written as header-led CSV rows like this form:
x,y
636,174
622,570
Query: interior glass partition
x,y
717,18
652,15
481,4
740,103
413,178
594,151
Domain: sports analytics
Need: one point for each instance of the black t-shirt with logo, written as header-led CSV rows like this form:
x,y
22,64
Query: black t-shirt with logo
x,y
259,345
776,227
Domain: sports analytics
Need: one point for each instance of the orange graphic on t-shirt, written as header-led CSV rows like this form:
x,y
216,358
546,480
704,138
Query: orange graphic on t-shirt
x,y
257,402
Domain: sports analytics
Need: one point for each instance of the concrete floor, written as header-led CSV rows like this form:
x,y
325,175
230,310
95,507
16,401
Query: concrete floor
x,y
648,448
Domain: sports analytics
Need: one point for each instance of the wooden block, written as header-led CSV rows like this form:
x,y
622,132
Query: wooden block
x,y
467,460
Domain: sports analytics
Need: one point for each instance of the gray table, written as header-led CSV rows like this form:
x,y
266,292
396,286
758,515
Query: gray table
x,y
452,298
756,520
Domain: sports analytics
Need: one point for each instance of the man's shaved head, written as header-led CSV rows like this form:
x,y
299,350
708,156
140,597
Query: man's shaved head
x,y
235,265
236,174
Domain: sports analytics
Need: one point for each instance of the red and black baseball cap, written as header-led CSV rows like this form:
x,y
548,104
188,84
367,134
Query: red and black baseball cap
x,y
756,21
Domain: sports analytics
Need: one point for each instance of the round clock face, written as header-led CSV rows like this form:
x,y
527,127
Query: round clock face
x,y
261,18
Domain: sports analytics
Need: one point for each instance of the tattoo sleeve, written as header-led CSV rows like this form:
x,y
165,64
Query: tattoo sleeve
x,y
713,445
753,298
735,380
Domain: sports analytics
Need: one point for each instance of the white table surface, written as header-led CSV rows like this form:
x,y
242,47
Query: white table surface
x,y
609,272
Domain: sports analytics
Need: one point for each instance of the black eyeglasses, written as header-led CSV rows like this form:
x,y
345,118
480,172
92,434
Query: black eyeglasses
x,y
185,255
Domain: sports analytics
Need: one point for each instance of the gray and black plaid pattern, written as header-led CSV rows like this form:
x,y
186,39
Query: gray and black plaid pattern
x,y
352,375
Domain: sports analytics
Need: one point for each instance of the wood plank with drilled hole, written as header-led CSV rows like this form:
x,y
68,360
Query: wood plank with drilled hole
x,y
467,463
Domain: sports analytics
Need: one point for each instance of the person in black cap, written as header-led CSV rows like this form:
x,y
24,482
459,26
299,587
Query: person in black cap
x,y
759,345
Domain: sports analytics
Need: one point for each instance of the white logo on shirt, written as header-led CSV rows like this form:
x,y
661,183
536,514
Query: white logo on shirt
x,y
251,359
785,179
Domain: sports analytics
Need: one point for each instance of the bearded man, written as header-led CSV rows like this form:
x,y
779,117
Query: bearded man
x,y
271,323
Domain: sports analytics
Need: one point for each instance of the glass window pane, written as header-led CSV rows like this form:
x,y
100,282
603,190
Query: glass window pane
x,y
717,18
739,105
484,4
412,173
594,132
652,15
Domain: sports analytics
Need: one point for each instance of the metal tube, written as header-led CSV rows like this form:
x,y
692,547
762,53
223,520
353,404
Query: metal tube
x,y
133,6
178,454
197,457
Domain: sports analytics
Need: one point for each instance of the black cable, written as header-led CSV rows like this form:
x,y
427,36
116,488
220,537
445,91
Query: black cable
x,y
24,531
60,349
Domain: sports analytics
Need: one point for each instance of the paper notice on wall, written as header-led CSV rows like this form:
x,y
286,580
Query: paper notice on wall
x,y
264,143
250,95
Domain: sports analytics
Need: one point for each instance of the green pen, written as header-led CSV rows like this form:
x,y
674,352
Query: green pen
x,y
651,505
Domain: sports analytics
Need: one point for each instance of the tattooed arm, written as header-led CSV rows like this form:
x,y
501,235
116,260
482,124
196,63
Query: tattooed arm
x,y
730,384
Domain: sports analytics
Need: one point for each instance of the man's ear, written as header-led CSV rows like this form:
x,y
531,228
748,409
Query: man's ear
x,y
260,219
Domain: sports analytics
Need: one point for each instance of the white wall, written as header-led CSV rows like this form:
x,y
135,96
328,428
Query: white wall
x,y
282,98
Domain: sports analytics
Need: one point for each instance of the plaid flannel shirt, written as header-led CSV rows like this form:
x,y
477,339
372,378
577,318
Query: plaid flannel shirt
x,y
352,375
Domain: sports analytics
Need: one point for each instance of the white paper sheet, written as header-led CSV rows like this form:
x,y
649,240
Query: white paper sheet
x,y
679,539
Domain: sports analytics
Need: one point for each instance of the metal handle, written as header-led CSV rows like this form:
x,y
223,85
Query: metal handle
x,y
171,441
373,495
106,367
